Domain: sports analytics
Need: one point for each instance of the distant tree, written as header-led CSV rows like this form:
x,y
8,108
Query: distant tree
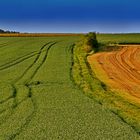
x,y
90,42
8,32
1,31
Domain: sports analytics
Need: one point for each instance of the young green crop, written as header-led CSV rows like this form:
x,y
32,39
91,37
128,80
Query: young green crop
x,y
45,102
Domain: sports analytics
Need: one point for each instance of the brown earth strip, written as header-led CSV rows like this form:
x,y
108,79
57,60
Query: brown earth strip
x,y
120,70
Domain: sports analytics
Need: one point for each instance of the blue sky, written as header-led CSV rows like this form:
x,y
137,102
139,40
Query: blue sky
x,y
70,15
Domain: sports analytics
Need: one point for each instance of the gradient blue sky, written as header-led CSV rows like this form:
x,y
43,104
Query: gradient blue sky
x,y
70,15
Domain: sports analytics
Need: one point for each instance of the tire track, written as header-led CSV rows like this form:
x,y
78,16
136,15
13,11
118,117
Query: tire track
x,y
13,42
2,44
10,43
44,59
20,59
14,103
18,62
29,118
26,55
32,64
7,43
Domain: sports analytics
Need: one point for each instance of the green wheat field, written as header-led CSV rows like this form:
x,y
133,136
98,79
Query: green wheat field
x,y
40,100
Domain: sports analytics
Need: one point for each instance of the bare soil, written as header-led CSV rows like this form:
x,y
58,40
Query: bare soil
x,y
119,69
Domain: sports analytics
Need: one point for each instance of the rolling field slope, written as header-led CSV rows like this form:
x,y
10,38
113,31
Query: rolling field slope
x,y
39,100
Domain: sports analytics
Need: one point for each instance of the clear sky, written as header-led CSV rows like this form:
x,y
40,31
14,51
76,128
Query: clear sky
x,y
70,15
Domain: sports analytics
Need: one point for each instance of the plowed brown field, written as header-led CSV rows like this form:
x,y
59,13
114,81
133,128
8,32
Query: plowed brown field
x,y
120,70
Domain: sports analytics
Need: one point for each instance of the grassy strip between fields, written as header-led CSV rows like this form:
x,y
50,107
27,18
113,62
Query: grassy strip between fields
x,y
85,78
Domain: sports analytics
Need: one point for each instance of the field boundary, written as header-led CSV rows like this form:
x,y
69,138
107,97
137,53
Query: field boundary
x,y
85,78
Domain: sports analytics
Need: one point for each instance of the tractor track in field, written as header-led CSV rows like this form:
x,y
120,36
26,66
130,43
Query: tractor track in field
x,y
9,43
122,69
20,59
28,119
44,59
47,104
3,44
18,62
15,91
32,64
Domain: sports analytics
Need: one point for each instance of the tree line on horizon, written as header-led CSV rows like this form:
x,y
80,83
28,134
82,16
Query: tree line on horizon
x,y
7,31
